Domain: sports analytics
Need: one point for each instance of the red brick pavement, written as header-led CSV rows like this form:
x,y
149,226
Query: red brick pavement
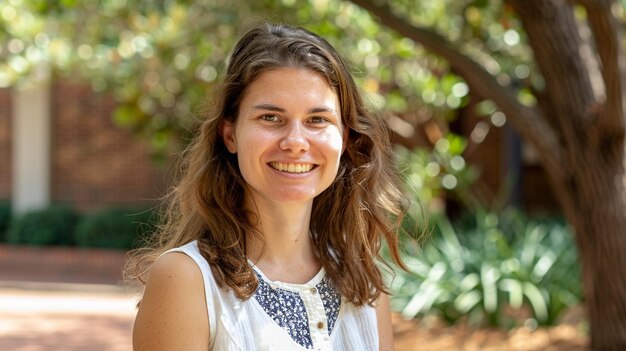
x,y
60,299
53,317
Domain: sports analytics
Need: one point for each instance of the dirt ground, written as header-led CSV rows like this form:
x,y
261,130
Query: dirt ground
x,y
435,336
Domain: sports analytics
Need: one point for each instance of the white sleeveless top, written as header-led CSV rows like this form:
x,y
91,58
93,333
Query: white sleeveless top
x,y
283,316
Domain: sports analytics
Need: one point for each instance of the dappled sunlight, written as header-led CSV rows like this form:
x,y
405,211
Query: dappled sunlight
x,y
19,302
65,320
66,332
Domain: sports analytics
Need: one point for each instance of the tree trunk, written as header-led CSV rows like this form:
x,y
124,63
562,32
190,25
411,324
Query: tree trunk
x,y
590,181
594,206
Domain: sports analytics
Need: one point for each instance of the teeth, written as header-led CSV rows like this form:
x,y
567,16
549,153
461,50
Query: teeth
x,y
291,167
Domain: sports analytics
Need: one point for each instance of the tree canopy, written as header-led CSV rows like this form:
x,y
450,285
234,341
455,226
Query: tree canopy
x,y
159,58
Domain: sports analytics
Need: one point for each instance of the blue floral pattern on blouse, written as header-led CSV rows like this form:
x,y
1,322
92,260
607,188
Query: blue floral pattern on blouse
x,y
331,300
287,308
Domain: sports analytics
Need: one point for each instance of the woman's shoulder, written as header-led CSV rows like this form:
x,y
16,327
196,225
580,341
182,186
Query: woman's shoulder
x,y
185,257
175,267
176,274
173,296
180,266
190,248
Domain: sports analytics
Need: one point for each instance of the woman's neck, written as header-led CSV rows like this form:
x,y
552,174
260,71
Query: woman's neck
x,y
284,249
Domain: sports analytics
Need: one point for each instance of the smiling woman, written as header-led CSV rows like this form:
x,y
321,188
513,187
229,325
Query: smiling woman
x,y
274,228
288,137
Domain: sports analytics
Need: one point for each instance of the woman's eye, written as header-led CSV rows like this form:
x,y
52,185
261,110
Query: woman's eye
x,y
317,119
270,118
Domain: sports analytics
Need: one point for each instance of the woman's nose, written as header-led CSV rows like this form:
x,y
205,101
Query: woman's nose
x,y
294,139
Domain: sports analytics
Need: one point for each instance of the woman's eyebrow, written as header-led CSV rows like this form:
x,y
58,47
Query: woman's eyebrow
x,y
321,109
270,107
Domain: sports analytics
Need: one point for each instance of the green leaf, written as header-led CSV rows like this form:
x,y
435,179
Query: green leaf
x,y
543,266
488,278
467,301
126,115
537,301
69,3
422,300
515,290
469,282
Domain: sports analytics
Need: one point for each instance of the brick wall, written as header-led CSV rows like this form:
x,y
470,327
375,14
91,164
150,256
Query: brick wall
x,y
5,143
96,164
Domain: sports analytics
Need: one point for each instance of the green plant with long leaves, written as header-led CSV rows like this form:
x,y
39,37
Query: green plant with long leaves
x,y
487,266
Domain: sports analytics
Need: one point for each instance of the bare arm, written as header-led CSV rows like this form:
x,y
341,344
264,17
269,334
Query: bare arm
x,y
173,313
385,330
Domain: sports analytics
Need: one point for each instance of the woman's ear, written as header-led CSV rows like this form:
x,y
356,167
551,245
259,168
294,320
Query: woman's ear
x,y
227,131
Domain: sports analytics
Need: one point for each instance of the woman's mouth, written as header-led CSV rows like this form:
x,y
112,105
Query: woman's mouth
x,y
292,167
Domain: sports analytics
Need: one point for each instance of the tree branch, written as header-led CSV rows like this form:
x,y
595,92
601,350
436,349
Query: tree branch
x,y
529,122
604,29
553,35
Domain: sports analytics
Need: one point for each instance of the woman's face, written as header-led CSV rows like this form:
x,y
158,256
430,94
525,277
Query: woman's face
x,y
288,136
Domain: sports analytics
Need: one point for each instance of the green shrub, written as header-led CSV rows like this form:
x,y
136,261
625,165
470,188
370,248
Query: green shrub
x,y
51,226
117,228
5,218
495,264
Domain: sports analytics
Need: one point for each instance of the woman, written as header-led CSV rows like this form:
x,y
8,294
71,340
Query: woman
x,y
275,226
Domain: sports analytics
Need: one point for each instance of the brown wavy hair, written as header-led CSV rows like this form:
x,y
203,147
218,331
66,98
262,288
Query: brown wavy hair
x,y
350,220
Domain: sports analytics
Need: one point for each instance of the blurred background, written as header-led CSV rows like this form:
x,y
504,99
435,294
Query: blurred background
x,y
507,123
